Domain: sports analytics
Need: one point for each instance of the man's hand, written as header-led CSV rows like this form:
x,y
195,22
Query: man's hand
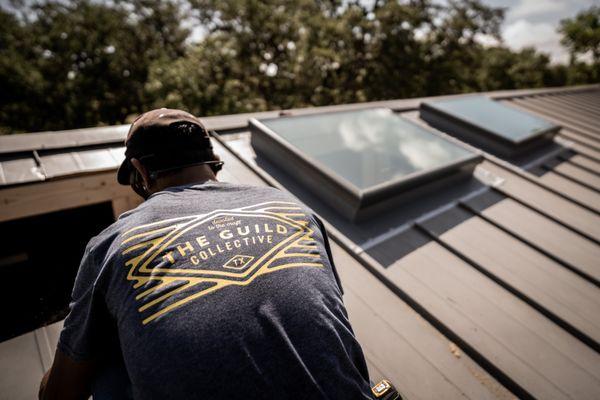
x,y
67,379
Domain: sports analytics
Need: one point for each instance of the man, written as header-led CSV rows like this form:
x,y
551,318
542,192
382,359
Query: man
x,y
207,290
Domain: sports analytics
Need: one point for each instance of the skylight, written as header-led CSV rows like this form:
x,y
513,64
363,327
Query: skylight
x,y
488,124
354,159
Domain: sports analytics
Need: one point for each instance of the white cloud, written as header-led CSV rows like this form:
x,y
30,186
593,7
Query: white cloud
x,y
542,36
529,8
486,40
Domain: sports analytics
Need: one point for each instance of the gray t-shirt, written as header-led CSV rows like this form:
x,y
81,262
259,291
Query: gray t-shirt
x,y
215,290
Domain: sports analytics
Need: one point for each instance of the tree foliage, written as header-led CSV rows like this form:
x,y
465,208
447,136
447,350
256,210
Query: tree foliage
x,y
581,35
76,63
81,63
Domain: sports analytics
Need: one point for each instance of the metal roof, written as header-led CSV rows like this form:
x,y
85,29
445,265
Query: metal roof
x,y
489,289
504,265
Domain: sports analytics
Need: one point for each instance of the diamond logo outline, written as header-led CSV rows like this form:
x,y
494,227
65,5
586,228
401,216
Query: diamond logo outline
x,y
238,262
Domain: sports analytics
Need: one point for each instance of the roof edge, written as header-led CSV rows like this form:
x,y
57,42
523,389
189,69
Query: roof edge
x,y
63,139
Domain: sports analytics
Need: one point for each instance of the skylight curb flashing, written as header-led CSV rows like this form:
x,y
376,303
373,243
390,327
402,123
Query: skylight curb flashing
x,y
374,193
341,194
495,141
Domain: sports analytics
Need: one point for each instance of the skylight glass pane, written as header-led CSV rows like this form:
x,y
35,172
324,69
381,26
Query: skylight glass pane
x,y
367,147
502,120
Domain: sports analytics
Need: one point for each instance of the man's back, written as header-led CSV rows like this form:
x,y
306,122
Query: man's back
x,y
217,291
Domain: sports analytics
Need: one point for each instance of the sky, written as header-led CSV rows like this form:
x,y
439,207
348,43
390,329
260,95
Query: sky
x,y
534,23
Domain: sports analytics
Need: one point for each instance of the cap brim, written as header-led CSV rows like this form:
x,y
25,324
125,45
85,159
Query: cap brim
x,y
124,172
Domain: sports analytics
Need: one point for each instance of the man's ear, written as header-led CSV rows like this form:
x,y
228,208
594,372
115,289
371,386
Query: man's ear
x,y
142,171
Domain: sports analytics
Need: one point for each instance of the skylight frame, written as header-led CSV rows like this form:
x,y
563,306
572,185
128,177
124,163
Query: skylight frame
x,y
360,197
483,136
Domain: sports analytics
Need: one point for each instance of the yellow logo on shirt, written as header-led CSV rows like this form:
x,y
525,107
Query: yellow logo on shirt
x,y
238,262
183,256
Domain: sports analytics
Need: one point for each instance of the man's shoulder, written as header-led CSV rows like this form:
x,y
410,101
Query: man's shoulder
x,y
231,191
99,245
259,190
252,194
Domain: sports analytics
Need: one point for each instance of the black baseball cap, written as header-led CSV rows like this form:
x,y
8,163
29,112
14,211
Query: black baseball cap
x,y
165,139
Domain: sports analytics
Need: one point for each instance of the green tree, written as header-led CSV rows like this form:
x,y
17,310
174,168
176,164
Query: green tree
x,y
266,55
396,56
273,54
20,81
502,68
77,63
454,53
85,63
581,34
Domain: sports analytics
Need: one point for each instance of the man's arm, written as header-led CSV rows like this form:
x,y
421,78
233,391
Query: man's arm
x,y
328,250
67,379
71,374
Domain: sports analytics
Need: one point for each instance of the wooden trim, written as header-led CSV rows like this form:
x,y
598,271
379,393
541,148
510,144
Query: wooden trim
x,y
41,198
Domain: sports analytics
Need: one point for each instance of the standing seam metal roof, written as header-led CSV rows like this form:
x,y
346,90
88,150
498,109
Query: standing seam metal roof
x,y
487,286
506,265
